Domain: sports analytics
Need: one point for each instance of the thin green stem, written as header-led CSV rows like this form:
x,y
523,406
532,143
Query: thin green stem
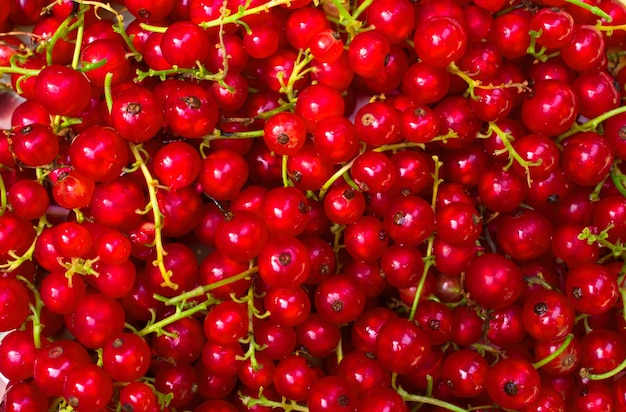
x,y
532,48
357,13
16,261
595,10
284,172
226,18
108,97
429,259
284,405
513,154
555,354
397,146
585,373
152,183
592,125
334,178
618,178
3,196
429,401
302,60
250,134
345,18
205,289
610,29
19,70
79,41
49,43
253,346
157,327
339,351
35,310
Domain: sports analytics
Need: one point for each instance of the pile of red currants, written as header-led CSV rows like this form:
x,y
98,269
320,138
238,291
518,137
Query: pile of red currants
x,y
313,205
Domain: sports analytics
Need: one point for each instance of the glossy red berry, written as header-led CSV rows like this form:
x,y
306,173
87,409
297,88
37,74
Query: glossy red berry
x,y
493,281
513,383
398,338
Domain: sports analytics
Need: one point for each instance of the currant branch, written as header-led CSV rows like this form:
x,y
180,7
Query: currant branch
x,y
226,17
152,183
617,249
586,373
299,70
532,48
593,124
514,156
595,10
409,397
35,310
118,27
618,178
79,266
473,83
429,259
198,73
253,346
3,196
157,327
80,31
206,289
284,405
16,261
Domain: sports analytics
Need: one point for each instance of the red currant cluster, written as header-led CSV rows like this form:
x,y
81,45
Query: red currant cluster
x,y
313,205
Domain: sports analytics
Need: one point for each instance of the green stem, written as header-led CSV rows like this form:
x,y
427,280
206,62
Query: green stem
x,y
3,196
618,178
35,311
120,29
471,83
152,183
617,250
203,290
337,231
429,400
601,376
334,178
198,73
224,19
79,41
513,154
345,18
17,261
284,405
284,173
429,259
179,314
253,346
597,11
303,59
532,48
555,354
592,124
19,70
48,44
282,108
397,146
108,97
610,29
361,9
339,350
250,134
